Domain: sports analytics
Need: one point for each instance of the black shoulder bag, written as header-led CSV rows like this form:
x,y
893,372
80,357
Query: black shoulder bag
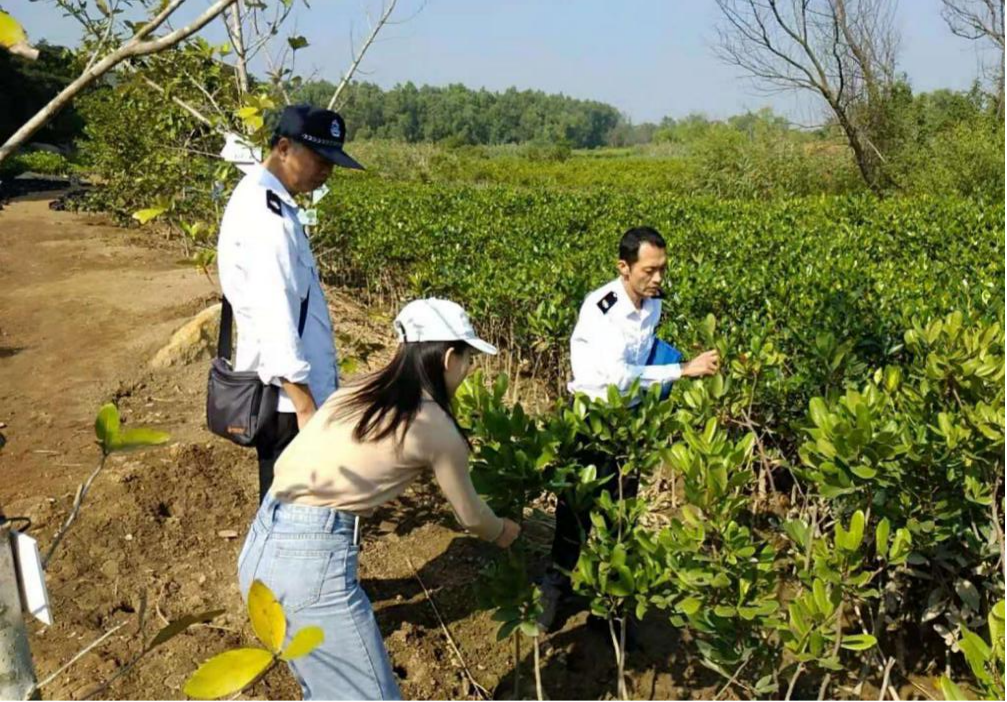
x,y
238,403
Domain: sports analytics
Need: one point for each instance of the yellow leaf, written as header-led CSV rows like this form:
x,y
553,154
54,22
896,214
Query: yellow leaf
x,y
267,617
246,112
227,673
144,216
304,642
11,32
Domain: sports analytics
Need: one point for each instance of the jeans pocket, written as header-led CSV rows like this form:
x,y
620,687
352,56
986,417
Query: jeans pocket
x,y
297,575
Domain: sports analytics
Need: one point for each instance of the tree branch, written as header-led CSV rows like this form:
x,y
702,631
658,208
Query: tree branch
x,y
363,50
131,49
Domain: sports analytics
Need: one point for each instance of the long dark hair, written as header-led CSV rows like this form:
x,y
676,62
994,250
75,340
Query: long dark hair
x,y
390,398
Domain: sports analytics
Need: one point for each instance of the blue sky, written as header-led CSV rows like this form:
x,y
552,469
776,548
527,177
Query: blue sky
x,y
649,58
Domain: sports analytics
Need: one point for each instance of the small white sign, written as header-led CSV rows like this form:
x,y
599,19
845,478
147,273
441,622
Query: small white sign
x,y
308,218
239,152
32,576
318,194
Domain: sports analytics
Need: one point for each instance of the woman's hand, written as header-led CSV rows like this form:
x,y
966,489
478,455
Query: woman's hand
x,y
510,532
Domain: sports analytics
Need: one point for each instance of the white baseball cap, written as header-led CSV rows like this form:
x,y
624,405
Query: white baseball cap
x,y
432,319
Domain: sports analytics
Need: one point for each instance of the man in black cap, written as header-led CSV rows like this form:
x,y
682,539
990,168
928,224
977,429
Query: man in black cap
x,y
268,274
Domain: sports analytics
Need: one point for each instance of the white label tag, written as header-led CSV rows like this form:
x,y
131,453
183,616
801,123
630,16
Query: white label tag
x,y
239,152
308,218
318,193
29,565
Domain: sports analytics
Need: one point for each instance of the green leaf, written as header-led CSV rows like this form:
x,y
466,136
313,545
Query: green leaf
x,y
950,690
864,471
529,629
798,532
821,597
106,426
996,626
858,642
968,594
507,628
725,611
818,411
304,642
145,215
690,605
881,535
297,42
856,533
138,437
227,673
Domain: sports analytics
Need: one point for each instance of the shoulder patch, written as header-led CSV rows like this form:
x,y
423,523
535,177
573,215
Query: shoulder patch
x,y
606,303
274,203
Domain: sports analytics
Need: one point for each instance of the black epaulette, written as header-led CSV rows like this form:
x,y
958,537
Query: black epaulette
x,y
606,303
274,203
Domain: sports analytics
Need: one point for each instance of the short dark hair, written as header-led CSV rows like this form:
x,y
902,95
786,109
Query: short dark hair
x,y
629,246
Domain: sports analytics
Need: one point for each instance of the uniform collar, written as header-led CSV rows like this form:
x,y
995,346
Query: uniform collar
x,y
271,182
625,307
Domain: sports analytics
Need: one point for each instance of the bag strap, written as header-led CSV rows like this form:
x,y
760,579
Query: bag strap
x,y
224,335
224,338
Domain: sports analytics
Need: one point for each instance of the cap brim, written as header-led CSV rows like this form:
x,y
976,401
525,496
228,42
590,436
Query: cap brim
x,y
336,156
482,346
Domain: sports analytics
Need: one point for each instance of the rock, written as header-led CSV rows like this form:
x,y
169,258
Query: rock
x,y
196,340
227,534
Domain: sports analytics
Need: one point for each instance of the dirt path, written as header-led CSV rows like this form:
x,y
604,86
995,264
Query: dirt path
x,y
83,307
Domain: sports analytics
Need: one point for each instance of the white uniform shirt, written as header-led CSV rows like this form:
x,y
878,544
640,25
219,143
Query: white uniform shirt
x,y
266,269
612,341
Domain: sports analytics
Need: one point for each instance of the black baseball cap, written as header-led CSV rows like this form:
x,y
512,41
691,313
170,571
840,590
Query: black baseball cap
x,y
322,131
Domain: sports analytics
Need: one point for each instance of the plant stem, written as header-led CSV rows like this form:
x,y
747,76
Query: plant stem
x,y
835,649
619,644
538,672
517,666
77,502
998,529
793,680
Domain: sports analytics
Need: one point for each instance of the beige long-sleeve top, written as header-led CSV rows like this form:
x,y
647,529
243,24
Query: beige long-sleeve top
x,y
326,467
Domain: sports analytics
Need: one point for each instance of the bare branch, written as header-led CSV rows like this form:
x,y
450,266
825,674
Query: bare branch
x,y
80,654
843,50
386,13
981,20
181,103
236,35
976,19
78,500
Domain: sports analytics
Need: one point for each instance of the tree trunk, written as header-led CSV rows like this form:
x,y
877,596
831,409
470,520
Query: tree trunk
x,y
1000,86
17,676
860,155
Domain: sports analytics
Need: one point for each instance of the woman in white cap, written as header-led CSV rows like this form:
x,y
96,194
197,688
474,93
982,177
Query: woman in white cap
x,y
364,446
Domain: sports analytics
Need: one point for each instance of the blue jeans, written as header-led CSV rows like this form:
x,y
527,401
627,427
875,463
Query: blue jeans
x,y
308,557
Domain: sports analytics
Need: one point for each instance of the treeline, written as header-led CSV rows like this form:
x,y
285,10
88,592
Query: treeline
x,y
465,116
